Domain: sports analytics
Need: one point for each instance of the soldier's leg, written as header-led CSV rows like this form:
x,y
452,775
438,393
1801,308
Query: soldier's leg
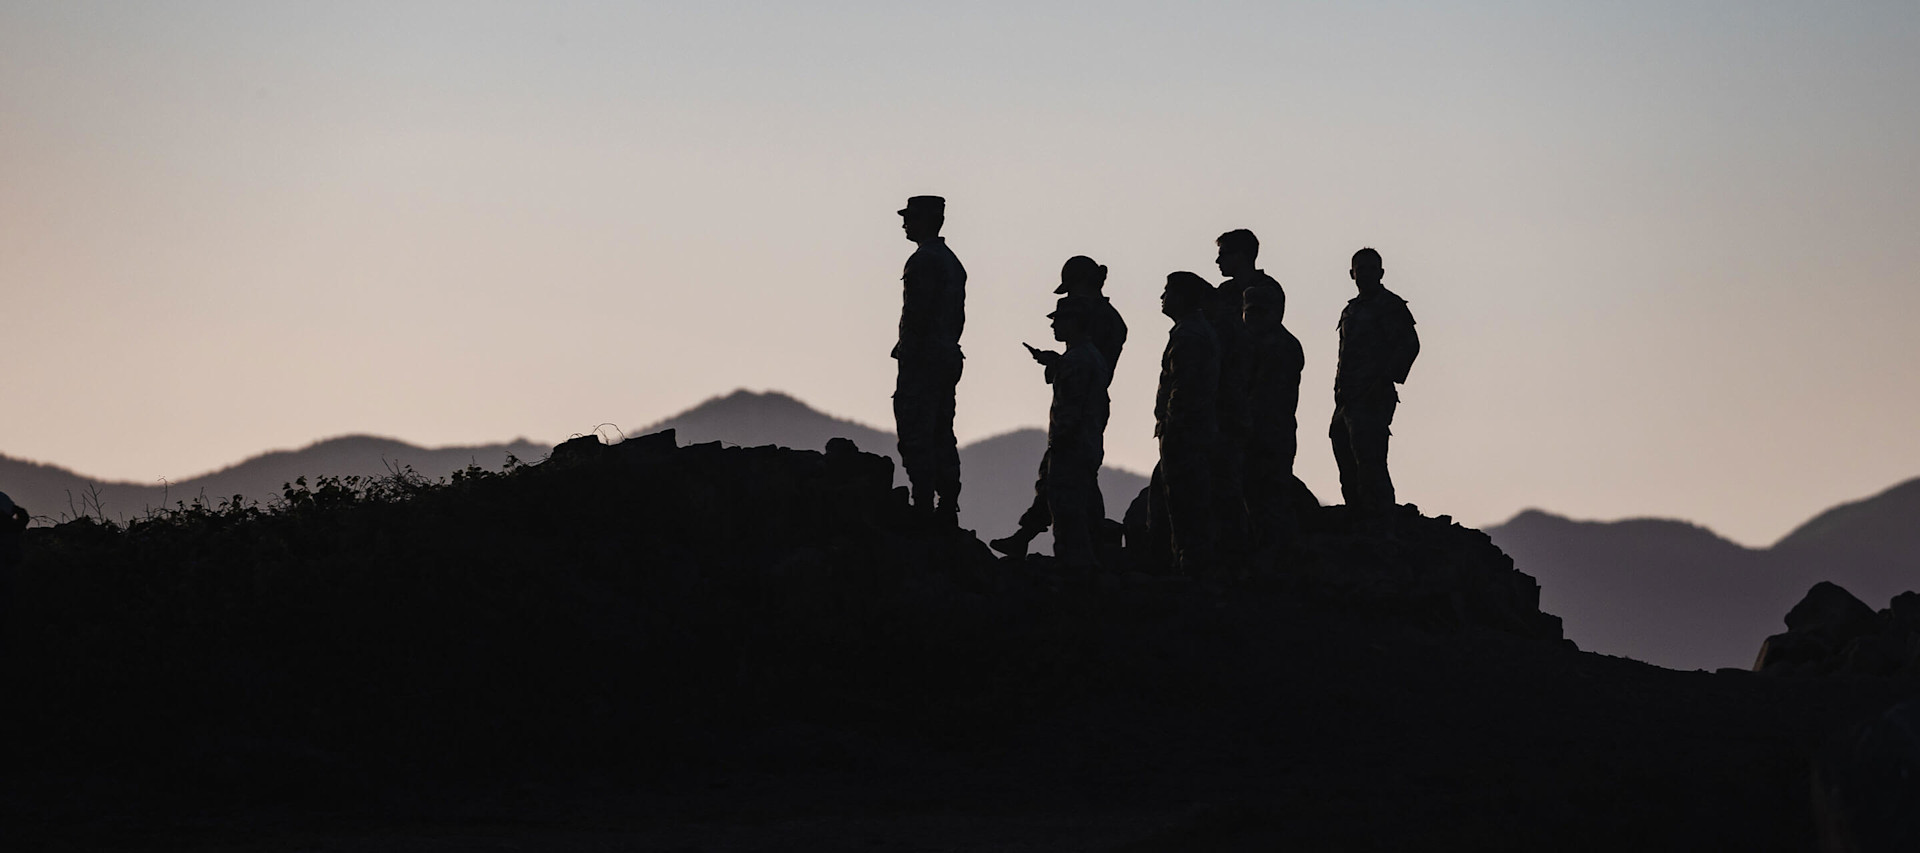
x,y
1262,497
1370,458
914,423
1069,482
1369,424
1350,488
1229,494
1036,519
1188,472
947,447
1157,545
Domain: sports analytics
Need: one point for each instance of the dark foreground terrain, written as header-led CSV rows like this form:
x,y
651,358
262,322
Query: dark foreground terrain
x,y
645,647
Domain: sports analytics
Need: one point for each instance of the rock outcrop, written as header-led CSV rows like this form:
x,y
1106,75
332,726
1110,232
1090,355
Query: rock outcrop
x,y
1830,632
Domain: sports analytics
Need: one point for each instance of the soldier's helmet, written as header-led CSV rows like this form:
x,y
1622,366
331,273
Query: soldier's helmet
x,y
930,205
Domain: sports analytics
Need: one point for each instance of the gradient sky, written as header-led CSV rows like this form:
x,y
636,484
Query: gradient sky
x,y
1664,255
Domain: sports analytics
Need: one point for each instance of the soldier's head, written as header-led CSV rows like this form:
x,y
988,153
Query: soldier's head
x,y
1367,269
923,216
1081,275
1070,320
1185,292
1239,250
1262,308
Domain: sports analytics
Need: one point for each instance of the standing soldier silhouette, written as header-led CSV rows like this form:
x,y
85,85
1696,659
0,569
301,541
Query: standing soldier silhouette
x,y
1275,497
1239,251
1076,434
932,314
1186,422
1081,280
1377,348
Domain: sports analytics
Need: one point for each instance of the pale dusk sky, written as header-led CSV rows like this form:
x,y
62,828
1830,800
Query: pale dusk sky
x,y
1664,256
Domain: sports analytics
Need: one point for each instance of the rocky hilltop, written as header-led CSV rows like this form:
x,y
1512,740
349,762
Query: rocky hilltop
x,y
654,646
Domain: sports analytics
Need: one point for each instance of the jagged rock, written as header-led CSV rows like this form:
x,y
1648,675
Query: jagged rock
x,y
1905,610
1831,631
1831,613
1430,570
577,449
650,446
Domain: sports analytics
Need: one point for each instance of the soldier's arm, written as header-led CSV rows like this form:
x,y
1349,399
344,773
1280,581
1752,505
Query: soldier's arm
x,y
916,311
1185,395
1409,348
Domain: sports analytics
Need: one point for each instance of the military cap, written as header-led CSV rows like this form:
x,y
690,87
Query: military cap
x,y
1078,267
925,204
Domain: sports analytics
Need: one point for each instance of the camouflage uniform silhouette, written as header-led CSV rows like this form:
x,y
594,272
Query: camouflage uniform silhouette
x,y
1238,249
1275,497
1082,279
932,315
1377,348
1186,422
1076,431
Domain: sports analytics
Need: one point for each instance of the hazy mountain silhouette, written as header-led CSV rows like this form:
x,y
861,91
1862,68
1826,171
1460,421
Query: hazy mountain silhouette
x,y
1678,595
51,491
997,472
753,420
1885,527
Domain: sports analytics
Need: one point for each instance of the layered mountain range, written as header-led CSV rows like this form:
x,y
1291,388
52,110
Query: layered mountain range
x,y
1679,595
999,470
1662,591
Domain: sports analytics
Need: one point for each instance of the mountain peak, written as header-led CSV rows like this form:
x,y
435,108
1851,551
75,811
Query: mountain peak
x,y
1887,523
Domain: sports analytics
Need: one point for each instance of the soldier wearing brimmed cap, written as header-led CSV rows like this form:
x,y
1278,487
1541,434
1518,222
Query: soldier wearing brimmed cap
x,y
1377,348
1081,280
1186,421
1275,498
932,314
1076,435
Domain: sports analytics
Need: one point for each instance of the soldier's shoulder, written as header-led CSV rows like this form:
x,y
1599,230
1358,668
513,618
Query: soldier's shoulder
x,y
1396,304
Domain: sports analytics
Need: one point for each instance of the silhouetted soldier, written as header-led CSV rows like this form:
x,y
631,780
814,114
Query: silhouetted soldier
x,y
1377,348
1274,362
1076,434
1239,251
932,313
1186,421
1081,279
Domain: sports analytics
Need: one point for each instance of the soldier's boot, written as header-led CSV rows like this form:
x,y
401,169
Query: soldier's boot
x,y
1016,545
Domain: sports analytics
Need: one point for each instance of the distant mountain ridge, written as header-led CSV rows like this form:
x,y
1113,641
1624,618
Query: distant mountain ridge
x,y
997,472
1679,595
54,493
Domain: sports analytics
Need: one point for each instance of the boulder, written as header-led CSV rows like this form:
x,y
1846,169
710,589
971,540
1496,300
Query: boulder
x,y
1830,631
1831,613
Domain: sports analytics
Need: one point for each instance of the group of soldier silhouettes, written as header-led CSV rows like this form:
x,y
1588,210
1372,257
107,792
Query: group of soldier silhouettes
x,y
1223,494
